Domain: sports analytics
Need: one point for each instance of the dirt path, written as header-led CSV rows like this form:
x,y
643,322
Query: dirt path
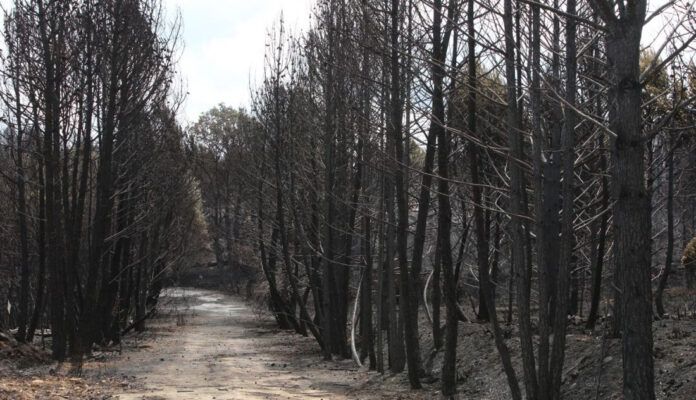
x,y
212,346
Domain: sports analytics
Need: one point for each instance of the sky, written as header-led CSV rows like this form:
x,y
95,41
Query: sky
x,y
224,43
223,46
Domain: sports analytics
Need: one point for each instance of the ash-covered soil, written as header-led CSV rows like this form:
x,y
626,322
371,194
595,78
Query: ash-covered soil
x,y
207,345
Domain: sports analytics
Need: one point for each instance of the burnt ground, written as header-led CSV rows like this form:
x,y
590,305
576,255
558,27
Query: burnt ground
x,y
213,346
208,345
204,345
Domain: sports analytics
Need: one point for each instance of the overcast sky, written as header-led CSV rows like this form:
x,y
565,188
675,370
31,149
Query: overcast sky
x,y
224,45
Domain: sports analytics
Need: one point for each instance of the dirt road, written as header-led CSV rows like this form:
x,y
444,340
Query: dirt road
x,y
213,346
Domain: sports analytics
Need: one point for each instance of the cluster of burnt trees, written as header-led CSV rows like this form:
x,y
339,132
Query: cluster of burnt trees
x,y
98,200
401,150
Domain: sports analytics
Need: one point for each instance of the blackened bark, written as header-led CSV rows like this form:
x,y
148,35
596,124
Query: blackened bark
x,y
408,308
276,304
660,308
285,248
437,296
598,246
631,200
51,100
22,224
366,327
381,244
41,245
89,328
544,197
517,207
568,191
449,365
482,245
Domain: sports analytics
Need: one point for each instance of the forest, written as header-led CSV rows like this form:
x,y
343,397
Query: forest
x,y
406,169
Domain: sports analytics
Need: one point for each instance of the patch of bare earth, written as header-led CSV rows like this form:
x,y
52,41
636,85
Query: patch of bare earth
x,y
26,373
206,345
593,365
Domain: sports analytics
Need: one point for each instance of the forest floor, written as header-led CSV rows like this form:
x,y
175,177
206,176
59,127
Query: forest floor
x,y
207,345
214,346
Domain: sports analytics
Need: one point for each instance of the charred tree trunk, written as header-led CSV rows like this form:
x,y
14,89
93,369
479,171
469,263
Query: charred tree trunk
x,y
631,200
407,306
598,246
482,245
518,240
568,193
660,308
